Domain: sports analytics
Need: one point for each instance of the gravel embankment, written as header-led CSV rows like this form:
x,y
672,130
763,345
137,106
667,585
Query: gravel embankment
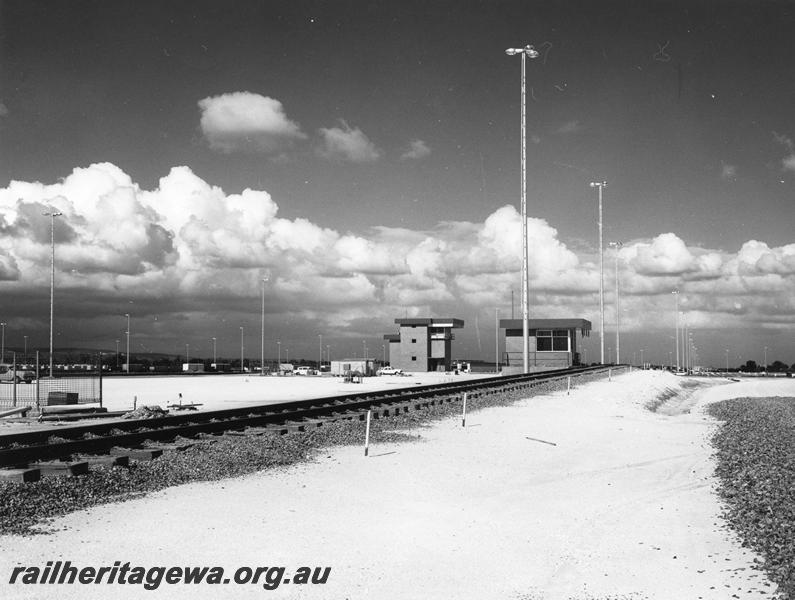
x,y
25,507
756,467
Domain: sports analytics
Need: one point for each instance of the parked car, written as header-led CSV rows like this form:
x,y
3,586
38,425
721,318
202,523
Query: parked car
x,y
389,371
304,371
7,374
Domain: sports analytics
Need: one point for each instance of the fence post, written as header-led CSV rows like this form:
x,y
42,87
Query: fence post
x,y
464,413
367,434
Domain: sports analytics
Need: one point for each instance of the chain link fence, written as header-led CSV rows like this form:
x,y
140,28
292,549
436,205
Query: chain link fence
x,y
21,387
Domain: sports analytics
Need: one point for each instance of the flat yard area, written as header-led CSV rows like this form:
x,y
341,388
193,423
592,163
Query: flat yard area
x,y
584,496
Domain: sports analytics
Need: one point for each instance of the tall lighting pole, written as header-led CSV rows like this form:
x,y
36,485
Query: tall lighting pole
x,y
617,246
532,53
215,361
128,341
601,185
496,340
262,332
52,215
676,326
320,347
241,350
3,343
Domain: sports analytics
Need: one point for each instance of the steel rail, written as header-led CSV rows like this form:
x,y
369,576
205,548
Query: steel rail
x,y
23,448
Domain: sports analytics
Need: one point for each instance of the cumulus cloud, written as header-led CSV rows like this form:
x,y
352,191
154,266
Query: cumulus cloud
x,y
188,246
666,254
347,144
417,150
244,121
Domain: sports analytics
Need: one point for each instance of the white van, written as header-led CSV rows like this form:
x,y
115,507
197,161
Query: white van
x,y
303,371
7,374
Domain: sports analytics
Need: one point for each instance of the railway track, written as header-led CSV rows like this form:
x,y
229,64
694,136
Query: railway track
x,y
118,441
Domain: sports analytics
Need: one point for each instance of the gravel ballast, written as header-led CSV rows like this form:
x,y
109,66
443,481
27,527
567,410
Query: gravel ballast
x,y
756,467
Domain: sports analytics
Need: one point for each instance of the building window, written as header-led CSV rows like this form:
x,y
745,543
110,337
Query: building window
x,y
552,340
414,358
413,340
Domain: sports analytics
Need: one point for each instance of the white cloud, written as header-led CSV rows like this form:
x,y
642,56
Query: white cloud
x,y
3,109
667,254
243,121
417,150
187,244
347,144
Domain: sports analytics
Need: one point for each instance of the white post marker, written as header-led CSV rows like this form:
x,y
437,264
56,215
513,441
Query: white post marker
x,y
367,434
135,402
610,374
568,384
464,413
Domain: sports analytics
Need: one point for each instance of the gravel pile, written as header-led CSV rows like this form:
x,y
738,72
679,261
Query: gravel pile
x,y
145,412
25,508
756,467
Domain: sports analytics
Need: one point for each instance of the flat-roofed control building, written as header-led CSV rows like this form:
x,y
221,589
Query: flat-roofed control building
x,y
553,343
423,344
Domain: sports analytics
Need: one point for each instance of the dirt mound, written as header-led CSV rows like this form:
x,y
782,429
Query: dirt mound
x,y
146,412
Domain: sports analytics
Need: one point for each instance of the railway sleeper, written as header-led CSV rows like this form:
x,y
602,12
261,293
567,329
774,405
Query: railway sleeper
x,y
58,468
140,454
21,474
96,460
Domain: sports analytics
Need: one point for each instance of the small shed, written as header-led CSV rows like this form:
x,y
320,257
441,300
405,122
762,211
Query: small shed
x,y
552,343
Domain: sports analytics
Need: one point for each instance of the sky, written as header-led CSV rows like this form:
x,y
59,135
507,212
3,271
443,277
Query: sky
x,y
364,158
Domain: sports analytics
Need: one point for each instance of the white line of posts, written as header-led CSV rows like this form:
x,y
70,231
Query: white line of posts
x,y
527,51
601,185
